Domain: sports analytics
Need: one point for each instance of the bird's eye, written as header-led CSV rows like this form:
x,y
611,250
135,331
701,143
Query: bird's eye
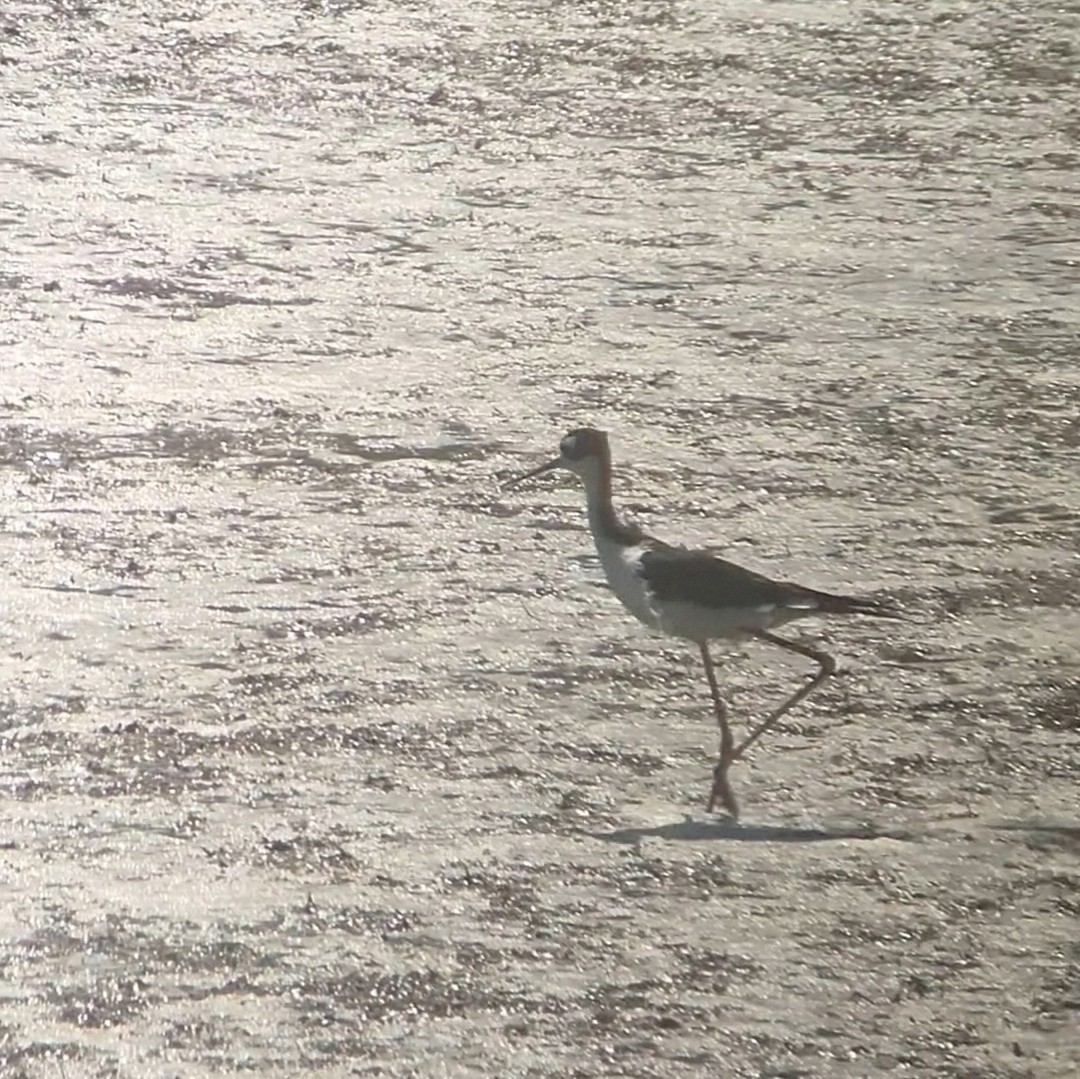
x,y
569,447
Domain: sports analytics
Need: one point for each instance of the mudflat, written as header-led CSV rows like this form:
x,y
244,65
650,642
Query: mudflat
x,y
322,755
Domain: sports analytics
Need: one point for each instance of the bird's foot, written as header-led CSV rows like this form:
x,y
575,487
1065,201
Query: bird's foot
x,y
721,792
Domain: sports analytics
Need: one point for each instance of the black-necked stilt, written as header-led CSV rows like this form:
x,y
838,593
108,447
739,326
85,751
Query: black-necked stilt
x,y
696,596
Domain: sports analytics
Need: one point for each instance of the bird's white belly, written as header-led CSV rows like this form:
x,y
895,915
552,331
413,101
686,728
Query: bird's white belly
x,y
696,622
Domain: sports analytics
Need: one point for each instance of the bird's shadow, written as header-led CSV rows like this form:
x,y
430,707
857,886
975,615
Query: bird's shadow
x,y
690,829
1045,831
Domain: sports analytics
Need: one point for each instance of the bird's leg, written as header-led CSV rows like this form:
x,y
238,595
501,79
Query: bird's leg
x,y
721,788
827,667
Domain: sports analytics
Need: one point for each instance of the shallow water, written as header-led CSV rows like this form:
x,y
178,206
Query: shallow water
x,y
323,754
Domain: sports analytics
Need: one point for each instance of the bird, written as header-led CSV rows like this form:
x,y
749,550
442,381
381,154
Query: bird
x,y
696,596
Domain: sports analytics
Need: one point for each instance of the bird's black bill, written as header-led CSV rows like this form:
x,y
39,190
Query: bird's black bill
x,y
529,475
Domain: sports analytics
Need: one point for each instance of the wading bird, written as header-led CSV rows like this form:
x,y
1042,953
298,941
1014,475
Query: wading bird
x,y
694,595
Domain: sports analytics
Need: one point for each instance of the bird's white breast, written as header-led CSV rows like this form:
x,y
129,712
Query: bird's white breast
x,y
623,571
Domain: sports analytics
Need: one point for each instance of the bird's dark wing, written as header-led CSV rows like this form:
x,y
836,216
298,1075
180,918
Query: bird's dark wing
x,y
698,577
677,574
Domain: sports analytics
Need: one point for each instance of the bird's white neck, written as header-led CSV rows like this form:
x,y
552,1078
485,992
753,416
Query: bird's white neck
x,y
603,521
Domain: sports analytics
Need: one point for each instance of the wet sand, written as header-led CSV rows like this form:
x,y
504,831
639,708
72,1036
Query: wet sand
x,y
322,755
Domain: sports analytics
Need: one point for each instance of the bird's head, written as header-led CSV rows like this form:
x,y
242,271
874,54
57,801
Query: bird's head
x,y
583,451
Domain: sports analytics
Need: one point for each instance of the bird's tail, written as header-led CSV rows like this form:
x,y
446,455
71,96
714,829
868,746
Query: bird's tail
x,y
830,604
